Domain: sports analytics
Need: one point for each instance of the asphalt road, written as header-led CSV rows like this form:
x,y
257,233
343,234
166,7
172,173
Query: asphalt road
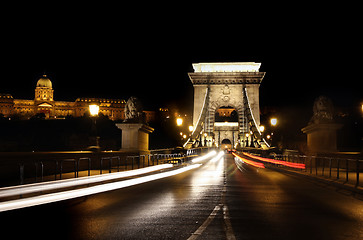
x,y
214,201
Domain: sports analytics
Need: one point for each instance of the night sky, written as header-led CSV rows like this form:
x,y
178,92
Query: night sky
x,y
123,51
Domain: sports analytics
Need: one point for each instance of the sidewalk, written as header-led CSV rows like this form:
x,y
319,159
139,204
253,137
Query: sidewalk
x,y
338,177
323,176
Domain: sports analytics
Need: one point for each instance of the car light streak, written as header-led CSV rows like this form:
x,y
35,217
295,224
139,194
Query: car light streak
x,y
288,164
52,185
65,195
204,157
218,157
249,162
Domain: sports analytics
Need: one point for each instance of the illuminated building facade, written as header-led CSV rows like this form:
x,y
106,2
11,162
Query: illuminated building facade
x,y
44,103
225,112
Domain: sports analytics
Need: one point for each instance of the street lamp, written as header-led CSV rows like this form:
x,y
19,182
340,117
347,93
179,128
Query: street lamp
x,y
262,128
274,140
179,121
273,121
191,128
94,110
205,139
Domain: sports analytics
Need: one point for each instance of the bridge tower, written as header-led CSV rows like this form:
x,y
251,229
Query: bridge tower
x,y
233,85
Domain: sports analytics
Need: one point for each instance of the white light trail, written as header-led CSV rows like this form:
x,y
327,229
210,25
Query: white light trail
x,y
204,157
218,157
65,195
46,186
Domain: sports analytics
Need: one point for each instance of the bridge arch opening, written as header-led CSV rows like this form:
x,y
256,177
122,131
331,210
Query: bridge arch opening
x,y
226,114
226,126
226,144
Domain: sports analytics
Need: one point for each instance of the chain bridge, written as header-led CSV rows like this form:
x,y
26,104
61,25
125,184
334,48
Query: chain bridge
x,y
235,85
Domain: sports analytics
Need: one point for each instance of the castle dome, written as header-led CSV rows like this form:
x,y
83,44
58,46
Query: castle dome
x,y
44,81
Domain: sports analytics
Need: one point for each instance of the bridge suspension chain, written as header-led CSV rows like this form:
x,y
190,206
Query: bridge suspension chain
x,y
201,119
205,116
257,136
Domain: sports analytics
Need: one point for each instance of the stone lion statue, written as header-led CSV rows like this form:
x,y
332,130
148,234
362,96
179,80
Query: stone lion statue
x,y
323,111
134,111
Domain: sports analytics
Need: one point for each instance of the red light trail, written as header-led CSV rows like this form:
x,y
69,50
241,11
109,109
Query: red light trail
x,y
249,162
288,164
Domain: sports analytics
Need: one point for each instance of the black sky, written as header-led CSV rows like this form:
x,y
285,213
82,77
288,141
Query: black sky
x,y
119,51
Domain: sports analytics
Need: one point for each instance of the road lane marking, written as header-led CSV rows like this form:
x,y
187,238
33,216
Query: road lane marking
x,y
206,223
227,223
222,206
228,226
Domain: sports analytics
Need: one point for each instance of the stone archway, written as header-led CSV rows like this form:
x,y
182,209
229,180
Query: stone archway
x,y
223,84
226,130
226,144
226,114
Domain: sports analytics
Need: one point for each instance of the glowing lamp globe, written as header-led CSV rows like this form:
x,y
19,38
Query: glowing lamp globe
x,y
94,109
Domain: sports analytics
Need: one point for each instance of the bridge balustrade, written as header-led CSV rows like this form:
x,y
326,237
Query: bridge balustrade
x,y
344,169
21,168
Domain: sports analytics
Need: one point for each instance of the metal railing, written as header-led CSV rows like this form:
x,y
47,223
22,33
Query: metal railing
x,y
21,168
344,169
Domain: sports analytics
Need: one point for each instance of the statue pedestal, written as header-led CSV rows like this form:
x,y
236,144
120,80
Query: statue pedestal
x,y
135,136
322,137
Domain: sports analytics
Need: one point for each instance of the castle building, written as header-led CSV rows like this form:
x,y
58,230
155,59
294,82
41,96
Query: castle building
x,y
44,103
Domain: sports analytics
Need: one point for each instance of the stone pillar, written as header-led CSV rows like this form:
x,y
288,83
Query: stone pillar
x,y
322,137
321,130
135,136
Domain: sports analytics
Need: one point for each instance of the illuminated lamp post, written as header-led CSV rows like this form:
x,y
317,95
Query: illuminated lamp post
x,y
94,110
252,145
205,139
179,121
247,136
268,137
191,128
273,123
262,128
